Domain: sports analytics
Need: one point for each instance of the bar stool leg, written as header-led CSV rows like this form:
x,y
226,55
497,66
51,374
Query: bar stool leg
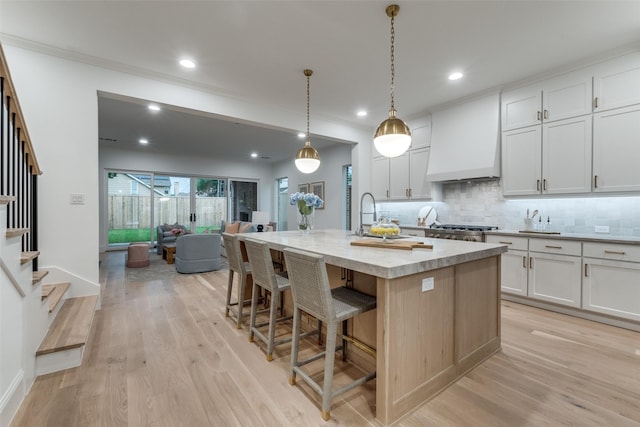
x,y
241,291
229,286
254,308
328,370
295,343
273,314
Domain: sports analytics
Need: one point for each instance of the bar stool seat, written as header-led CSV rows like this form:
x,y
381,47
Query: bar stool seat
x,y
312,293
237,265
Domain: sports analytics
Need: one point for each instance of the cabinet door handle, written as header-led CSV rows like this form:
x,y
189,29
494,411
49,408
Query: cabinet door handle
x,y
546,114
586,270
387,194
538,184
553,247
539,115
614,252
410,193
530,262
595,102
544,184
505,243
524,262
595,181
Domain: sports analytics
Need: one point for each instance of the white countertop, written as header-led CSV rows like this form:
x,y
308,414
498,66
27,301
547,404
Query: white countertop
x,y
335,245
596,238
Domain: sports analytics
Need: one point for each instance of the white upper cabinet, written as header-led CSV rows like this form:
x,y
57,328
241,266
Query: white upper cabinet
x,y
566,156
616,150
399,177
521,161
617,83
521,108
419,185
556,99
403,177
380,178
420,137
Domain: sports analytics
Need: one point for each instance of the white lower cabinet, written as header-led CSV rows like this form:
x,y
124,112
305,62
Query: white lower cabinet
x,y
514,265
555,278
611,282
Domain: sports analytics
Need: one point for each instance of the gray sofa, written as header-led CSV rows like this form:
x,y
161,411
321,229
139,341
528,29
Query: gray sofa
x,y
164,235
197,253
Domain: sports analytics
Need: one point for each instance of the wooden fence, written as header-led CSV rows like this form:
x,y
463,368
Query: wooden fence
x,y
135,211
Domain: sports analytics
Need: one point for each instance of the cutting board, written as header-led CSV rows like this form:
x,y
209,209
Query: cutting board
x,y
406,245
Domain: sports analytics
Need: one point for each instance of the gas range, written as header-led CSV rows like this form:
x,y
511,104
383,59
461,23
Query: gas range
x,y
470,233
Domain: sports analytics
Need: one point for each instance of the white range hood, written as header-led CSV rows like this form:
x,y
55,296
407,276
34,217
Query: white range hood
x,y
465,141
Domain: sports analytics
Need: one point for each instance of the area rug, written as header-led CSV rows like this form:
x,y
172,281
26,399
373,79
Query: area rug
x,y
158,269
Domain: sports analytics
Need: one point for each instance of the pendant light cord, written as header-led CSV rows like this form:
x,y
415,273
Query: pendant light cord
x,y
308,96
393,68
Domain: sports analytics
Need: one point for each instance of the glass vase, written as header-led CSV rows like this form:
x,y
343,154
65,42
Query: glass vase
x,y
305,221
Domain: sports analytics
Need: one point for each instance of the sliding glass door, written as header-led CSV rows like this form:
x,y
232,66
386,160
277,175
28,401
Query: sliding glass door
x,y
138,202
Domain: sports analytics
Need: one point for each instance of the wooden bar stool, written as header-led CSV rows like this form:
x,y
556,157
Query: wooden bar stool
x,y
240,267
312,293
264,276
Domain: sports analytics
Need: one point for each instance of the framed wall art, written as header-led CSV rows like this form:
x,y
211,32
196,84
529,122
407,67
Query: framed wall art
x,y
317,188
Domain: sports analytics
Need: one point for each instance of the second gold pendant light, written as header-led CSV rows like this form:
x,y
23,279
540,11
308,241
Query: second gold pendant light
x,y
307,159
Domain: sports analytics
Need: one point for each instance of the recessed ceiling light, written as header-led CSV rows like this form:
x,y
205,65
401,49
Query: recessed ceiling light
x,y
143,141
153,107
187,63
456,76
254,155
302,135
361,113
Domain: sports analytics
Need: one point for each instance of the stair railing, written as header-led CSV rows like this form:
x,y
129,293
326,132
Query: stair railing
x,y
19,167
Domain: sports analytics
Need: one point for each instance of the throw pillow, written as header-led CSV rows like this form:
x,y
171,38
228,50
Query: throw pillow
x,y
166,227
232,228
245,226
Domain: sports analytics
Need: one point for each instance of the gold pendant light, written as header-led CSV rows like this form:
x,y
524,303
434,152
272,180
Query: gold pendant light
x,y
307,159
393,136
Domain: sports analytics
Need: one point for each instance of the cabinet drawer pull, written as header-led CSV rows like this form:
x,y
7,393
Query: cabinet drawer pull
x,y
530,262
586,270
615,252
553,247
538,115
524,262
538,184
595,181
505,243
595,102
546,114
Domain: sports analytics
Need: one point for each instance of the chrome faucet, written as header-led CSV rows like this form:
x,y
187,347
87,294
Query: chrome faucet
x,y
375,216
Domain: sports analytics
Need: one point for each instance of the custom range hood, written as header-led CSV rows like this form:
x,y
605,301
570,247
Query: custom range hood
x,y
465,141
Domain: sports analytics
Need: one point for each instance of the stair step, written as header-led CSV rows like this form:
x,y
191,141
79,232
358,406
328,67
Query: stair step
x,y
54,292
71,327
5,200
38,276
16,232
25,257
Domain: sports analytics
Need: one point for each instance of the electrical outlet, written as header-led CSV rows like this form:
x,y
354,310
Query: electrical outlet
x,y
427,284
77,199
602,228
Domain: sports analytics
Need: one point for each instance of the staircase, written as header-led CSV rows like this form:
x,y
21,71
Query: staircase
x,y
45,313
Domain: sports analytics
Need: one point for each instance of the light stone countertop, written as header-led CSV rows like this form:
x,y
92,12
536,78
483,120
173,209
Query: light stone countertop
x,y
594,238
335,245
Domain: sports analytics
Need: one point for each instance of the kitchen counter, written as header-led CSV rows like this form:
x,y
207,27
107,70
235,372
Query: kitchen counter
x,y
596,238
437,315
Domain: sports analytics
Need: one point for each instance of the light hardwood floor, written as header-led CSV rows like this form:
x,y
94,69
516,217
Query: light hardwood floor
x,y
163,354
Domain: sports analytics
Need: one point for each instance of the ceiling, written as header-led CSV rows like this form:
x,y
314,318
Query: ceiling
x,y
256,51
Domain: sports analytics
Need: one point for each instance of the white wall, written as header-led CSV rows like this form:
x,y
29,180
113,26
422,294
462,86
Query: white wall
x,y
332,161
59,100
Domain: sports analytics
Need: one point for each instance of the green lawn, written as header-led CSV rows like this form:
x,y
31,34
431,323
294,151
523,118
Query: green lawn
x,y
129,235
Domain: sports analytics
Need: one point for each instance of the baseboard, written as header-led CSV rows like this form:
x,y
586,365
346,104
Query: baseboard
x,y
11,399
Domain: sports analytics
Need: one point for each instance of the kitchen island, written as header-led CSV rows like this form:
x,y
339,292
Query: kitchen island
x,y
437,316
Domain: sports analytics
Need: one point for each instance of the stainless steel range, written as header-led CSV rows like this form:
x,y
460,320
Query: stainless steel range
x,y
470,233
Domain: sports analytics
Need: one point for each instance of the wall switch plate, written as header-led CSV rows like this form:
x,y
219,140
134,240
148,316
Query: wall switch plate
x,y
602,228
427,284
77,199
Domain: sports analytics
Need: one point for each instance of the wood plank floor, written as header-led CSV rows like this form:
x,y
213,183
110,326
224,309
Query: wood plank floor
x,y
163,354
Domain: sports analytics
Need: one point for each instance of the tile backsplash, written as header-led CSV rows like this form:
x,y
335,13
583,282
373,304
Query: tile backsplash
x,y
482,203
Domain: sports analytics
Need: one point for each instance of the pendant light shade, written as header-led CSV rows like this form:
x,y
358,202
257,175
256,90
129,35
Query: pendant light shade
x,y
393,136
307,158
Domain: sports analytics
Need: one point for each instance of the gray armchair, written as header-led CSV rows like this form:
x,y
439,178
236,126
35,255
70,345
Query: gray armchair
x,y
197,253
164,235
